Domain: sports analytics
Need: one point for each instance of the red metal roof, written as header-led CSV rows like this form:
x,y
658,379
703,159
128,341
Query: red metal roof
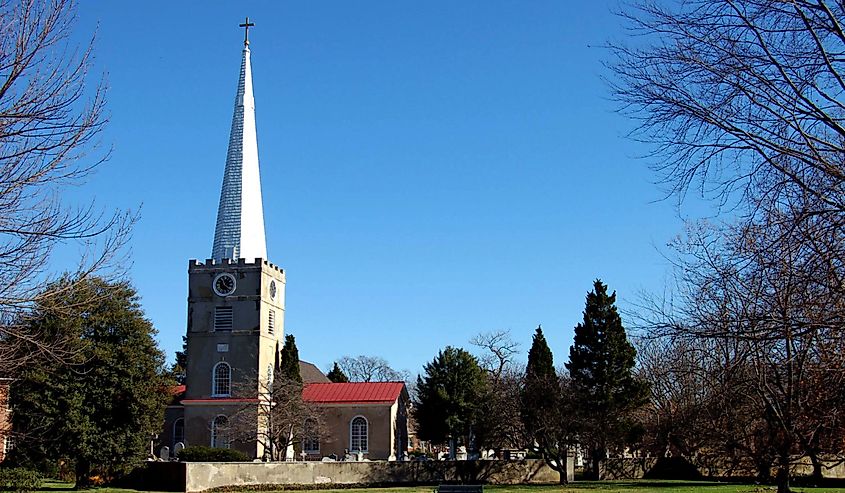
x,y
353,392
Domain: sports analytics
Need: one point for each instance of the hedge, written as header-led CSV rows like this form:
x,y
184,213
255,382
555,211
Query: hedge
x,y
208,454
19,479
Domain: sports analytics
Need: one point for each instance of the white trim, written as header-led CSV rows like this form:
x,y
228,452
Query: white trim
x,y
366,436
214,392
224,274
214,431
311,451
173,436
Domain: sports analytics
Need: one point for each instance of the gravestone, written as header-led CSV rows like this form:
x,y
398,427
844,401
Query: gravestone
x,y
164,453
177,448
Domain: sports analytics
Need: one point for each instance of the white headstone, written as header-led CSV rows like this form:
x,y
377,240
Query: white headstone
x,y
178,448
164,453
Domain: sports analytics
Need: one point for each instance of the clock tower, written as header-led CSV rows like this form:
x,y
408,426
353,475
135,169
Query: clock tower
x,y
236,299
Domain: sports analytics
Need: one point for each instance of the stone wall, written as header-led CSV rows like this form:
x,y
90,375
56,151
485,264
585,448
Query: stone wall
x,y
709,467
200,476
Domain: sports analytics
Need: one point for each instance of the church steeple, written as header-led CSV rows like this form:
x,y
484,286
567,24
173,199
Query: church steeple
x,y
239,232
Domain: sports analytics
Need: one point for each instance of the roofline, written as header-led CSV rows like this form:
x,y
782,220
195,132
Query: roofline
x,y
218,401
352,403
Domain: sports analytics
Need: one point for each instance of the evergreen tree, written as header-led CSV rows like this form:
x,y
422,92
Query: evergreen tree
x,y
179,368
289,364
336,375
449,397
100,410
547,411
601,363
540,389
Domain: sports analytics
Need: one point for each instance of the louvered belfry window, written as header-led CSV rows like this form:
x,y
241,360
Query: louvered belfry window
x,y
223,319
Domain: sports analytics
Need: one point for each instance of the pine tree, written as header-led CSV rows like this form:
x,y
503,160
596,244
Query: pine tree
x,y
100,410
449,397
540,389
289,364
179,368
336,375
601,363
547,411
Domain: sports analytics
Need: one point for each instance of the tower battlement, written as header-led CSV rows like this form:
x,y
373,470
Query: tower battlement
x,y
213,265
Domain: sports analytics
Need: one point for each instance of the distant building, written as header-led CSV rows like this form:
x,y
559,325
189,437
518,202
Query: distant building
x,y
236,308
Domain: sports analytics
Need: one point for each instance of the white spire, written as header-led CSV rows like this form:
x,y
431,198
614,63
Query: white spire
x,y
240,217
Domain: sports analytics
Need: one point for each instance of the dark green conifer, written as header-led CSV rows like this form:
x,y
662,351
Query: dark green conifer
x,y
449,397
98,407
541,387
601,364
289,364
336,375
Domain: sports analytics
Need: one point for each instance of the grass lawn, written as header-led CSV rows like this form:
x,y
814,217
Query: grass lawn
x,y
642,486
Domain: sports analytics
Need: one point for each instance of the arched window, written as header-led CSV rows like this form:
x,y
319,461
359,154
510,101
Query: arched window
x,y
221,385
178,432
218,432
311,437
358,434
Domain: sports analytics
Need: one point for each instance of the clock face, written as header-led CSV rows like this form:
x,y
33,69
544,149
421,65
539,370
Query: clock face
x,y
224,284
272,290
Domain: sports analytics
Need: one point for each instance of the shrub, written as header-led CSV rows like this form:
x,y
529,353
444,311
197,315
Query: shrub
x,y
208,454
19,479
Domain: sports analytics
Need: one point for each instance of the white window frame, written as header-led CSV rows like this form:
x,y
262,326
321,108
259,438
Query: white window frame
x,y
309,441
223,442
175,438
366,434
214,387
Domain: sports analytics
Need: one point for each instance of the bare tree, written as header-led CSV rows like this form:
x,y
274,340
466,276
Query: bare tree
x,y
370,369
701,407
49,121
498,426
743,97
279,419
499,349
745,100
764,297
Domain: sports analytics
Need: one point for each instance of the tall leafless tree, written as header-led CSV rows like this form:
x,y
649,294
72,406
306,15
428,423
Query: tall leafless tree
x,y
499,426
370,369
743,97
50,118
765,300
745,101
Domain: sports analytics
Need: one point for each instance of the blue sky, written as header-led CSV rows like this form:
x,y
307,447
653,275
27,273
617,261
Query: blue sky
x,y
430,170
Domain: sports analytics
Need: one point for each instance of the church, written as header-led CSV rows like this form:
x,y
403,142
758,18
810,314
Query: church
x,y
235,329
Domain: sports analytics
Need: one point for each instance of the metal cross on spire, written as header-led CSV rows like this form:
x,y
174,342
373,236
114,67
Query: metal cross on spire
x,y
246,25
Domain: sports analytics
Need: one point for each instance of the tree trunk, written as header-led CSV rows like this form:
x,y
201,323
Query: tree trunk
x,y
563,462
598,457
818,475
783,474
83,474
